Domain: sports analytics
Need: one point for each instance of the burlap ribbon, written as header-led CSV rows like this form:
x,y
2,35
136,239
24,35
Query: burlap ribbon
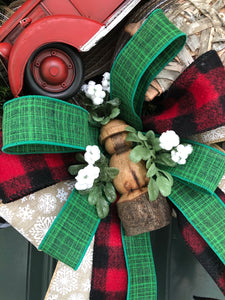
x,y
37,124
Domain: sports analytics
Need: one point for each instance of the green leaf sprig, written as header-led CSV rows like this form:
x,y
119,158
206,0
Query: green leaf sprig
x,y
103,192
101,114
147,148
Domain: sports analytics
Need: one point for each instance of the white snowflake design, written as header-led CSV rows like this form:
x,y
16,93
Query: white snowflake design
x,y
25,213
53,297
6,213
32,197
86,285
47,203
70,184
62,195
87,260
76,296
65,281
41,227
24,199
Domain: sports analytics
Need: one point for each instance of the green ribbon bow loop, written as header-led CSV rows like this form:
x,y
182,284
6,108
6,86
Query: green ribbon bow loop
x,y
37,124
193,193
153,46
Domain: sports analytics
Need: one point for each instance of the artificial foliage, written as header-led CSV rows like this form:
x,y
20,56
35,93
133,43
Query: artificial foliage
x,y
150,149
102,192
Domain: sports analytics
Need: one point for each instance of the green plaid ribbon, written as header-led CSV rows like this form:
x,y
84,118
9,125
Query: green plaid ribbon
x,y
72,231
193,193
37,124
154,45
142,282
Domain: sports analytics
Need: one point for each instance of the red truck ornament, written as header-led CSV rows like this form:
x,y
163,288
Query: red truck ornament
x,y
40,43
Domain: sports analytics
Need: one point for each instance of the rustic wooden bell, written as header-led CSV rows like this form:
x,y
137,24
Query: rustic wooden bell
x,y
136,212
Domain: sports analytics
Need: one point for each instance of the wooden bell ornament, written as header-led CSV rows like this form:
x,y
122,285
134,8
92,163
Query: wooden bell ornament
x,y
137,213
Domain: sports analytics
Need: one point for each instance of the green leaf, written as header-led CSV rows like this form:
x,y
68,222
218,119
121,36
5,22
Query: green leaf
x,y
153,190
131,129
105,121
74,169
155,144
132,137
141,136
164,185
138,153
102,207
110,192
80,157
152,170
150,136
97,119
115,102
112,172
85,192
165,159
115,112
148,163
94,195
102,162
135,155
167,175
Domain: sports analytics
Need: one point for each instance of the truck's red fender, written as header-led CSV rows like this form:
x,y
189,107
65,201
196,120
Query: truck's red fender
x,y
72,30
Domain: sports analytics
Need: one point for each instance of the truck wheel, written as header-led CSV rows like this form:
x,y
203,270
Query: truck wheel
x,y
54,70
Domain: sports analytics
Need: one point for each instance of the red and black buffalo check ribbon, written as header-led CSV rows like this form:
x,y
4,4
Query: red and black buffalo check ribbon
x,y
21,175
109,275
201,250
195,102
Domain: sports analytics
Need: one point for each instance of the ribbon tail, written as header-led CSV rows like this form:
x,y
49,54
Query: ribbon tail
x,y
205,212
142,283
72,231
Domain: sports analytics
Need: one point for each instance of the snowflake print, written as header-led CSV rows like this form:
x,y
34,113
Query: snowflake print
x,y
62,195
86,285
39,230
24,199
31,197
53,297
87,260
70,185
76,296
47,203
6,213
25,213
65,281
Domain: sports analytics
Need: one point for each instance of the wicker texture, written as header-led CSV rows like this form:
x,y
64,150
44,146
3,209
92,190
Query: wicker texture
x,y
202,21
204,24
